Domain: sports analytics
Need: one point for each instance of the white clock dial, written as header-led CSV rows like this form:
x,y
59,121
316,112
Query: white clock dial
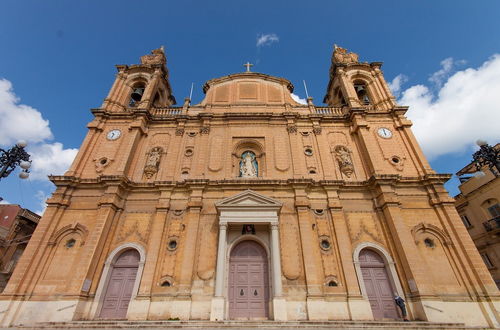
x,y
114,134
384,132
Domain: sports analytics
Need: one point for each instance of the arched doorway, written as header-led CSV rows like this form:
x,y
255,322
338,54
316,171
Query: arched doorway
x,y
378,285
248,282
120,285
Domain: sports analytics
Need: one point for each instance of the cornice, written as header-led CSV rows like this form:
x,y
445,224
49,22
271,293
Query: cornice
x,y
301,183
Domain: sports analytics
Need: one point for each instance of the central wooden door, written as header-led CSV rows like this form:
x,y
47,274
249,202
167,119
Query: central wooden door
x,y
120,286
378,286
248,282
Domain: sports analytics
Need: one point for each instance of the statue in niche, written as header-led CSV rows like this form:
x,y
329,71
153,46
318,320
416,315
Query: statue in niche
x,y
248,165
152,162
343,156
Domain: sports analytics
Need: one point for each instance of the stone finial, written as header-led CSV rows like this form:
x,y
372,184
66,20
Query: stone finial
x,y
341,56
157,56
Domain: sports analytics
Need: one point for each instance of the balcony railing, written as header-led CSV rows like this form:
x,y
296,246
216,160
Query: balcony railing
x,y
492,224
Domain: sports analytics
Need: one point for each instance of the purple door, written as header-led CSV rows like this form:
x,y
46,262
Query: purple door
x,y
378,286
248,282
121,283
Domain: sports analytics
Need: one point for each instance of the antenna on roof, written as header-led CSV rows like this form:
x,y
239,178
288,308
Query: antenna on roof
x,y
191,92
305,87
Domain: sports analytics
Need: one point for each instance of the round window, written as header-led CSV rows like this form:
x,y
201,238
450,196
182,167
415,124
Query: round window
x,y
429,242
308,151
70,243
172,245
166,283
332,283
325,244
319,211
188,152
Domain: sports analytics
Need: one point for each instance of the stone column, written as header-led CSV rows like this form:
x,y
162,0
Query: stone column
x,y
279,303
217,311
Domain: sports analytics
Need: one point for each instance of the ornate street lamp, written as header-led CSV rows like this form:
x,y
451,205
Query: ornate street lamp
x,y
487,155
13,157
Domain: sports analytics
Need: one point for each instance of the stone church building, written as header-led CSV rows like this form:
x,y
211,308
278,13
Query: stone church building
x,y
250,205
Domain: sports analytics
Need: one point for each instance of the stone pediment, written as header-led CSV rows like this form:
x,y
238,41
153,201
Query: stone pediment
x,y
248,198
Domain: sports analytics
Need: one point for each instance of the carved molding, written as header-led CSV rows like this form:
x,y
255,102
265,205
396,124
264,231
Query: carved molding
x,y
432,229
69,229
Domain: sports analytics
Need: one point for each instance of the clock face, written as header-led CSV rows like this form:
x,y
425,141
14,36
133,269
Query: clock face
x,y
114,134
384,132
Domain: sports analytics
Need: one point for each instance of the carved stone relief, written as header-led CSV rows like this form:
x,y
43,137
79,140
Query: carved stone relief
x,y
135,226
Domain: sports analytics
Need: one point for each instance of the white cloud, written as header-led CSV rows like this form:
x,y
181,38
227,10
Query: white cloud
x,y
462,110
447,67
396,83
19,121
267,39
50,158
3,201
22,122
42,199
297,99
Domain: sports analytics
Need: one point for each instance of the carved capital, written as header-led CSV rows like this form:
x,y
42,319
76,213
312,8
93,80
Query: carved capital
x,y
205,130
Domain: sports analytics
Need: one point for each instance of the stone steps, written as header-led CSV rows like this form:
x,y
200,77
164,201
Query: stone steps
x,y
117,324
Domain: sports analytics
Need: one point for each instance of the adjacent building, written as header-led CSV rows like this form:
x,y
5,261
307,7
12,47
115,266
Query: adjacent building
x,y
478,205
16,227
250,205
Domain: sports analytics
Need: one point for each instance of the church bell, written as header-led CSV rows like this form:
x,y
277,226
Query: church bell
x,y
137,94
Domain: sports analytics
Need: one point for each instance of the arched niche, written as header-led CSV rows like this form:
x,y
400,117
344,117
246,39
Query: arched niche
x,y
252,146
433,245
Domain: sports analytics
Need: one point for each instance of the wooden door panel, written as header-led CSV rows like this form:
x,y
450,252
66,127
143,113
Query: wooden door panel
x,y
248,282
378,286
120,286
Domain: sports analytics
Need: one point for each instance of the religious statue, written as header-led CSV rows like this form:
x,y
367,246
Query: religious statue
x,y
340,55
248,165
152,162
343,156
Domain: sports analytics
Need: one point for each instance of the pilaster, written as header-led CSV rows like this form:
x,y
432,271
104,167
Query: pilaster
x,y
190,243
310,250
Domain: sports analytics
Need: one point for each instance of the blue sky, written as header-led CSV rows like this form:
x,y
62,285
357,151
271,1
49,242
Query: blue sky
x,y
58,57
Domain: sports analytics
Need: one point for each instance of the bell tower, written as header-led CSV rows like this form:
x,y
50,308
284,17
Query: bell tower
x,y
141,86
357,84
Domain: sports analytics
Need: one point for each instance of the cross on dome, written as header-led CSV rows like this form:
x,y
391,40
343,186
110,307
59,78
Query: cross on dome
x,y
248,65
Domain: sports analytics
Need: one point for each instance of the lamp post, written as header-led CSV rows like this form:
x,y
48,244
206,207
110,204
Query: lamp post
x,y
13,157
487,155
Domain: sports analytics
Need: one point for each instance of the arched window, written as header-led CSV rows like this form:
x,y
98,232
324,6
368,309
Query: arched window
x,y
136,95
249,168
362,92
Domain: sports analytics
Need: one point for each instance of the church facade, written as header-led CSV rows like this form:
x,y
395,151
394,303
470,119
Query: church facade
x,y
250,205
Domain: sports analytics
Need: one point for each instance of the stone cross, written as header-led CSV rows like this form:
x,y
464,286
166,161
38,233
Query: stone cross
x,y
248,65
